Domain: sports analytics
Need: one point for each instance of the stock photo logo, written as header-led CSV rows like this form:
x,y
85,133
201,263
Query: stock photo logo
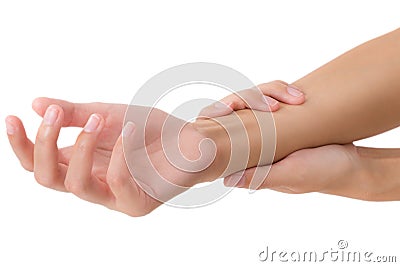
x,y
337,254
174,184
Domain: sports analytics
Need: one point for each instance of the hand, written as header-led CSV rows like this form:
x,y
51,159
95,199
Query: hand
x,y
94,168
331,169
271,93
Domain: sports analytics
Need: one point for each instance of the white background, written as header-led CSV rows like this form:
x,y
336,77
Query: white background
x,y
104,51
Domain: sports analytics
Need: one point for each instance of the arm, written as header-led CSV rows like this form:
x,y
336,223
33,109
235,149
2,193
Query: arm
x,y
95,168
352,97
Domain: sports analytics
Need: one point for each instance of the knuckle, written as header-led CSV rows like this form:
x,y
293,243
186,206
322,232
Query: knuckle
x,y
81,146
42,139
263,85
249,95
279,82
272,86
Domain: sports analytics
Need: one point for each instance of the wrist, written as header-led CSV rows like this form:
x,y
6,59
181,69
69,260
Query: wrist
x,y
238,141
213,130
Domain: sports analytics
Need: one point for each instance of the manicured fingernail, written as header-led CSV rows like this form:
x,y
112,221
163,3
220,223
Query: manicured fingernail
x,y
235,179
10,127
92,124
294,91
271,102
51,115
128,129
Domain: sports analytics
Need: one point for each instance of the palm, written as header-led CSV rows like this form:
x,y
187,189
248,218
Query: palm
x,y
97,168
102,174
146,160
313,169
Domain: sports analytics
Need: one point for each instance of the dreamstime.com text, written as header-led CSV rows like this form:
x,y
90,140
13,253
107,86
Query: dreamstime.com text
x,y
341,253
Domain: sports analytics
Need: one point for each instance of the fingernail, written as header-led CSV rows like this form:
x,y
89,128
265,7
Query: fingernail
x,y
10,127
128,129
271,102
50,116
294,91
92,124
235,180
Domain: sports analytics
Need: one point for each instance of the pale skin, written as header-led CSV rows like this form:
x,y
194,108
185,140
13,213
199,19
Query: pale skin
x,y
94,168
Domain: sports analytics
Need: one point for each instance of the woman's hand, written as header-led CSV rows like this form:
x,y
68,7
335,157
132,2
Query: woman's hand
x,y
271,94
345,170
331,169
95,168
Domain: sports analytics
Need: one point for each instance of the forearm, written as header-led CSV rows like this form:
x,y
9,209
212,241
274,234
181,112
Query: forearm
x,y
352,97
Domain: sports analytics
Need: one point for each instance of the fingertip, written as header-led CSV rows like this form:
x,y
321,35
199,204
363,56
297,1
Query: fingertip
x,y
38,105
21,145
10,125
273,104
128,129
41,104
10,118
13,125
295,100
274,108
295,95
95,123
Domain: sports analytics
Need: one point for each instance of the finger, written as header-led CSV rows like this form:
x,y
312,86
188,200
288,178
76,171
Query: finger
x,y
79,179
75,114
128,196
258,98
277,176
271,93
48,171
217,109
21,145
283,92
249,98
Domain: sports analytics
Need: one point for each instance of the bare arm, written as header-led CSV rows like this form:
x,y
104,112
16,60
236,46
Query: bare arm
x,y
352,97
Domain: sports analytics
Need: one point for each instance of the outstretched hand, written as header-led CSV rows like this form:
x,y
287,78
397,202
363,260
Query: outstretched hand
x,y
94,167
